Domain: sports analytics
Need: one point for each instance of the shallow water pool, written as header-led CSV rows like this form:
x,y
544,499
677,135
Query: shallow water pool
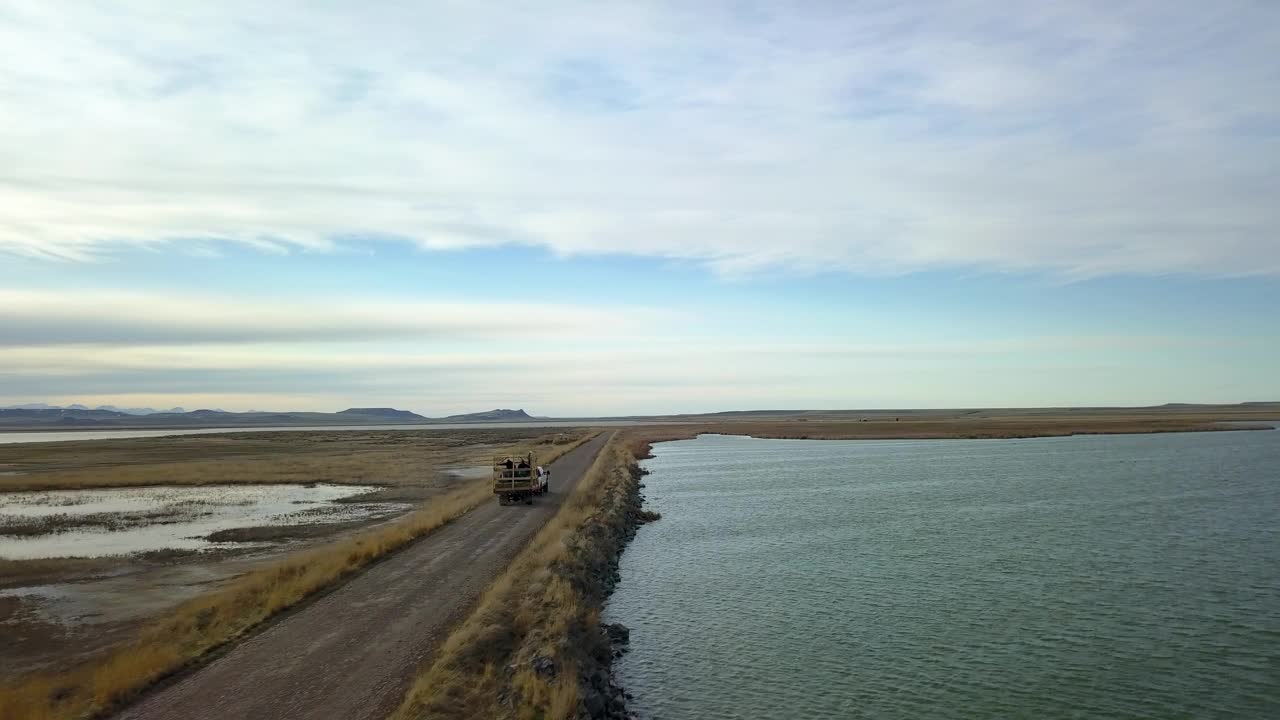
x,y
122,521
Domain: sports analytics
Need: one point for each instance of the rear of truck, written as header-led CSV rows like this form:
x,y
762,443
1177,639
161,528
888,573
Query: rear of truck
x,y
514,480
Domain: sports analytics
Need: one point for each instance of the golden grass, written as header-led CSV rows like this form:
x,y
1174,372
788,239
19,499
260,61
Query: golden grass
x,y
544,605
207,622
382,457
907,427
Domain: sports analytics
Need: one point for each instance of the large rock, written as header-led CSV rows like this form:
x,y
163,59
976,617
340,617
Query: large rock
x,y
618,633
544,666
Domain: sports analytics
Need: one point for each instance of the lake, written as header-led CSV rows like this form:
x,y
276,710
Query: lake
x,y
1133,576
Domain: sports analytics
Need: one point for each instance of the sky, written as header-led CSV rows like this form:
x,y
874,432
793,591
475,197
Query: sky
x,y
584,208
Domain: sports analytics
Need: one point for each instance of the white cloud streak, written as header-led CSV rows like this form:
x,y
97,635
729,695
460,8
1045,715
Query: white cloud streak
x,y
166,349
34,318
1087,139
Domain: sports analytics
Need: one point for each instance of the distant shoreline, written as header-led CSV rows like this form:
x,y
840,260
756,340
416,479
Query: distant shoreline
x,y
946,430
812,424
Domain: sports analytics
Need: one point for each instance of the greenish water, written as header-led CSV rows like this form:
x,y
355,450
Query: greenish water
x,y
1090,577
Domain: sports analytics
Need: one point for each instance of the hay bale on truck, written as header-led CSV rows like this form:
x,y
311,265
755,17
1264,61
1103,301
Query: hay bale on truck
x,y
513,479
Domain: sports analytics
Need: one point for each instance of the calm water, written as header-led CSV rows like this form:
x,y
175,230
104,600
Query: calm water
x,y
173,517
1089,577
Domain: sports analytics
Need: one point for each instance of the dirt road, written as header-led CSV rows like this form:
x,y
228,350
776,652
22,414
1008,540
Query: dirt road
x,y
352,653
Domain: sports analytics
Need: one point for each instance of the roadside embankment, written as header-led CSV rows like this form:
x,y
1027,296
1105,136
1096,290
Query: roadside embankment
x,y
194,629
534,647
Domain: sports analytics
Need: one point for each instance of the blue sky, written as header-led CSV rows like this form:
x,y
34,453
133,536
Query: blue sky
x,y
648,207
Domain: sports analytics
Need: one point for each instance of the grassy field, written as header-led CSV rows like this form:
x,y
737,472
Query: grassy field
x,y
1200,413
198,626
977,426
379,457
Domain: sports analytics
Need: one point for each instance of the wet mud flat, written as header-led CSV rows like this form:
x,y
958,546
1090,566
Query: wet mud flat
x,y
56,612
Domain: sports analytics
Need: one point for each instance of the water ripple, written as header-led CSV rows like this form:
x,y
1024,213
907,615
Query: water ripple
x,y
1116,577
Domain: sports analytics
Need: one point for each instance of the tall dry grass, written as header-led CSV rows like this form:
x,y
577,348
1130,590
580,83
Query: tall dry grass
x,y
909,427
381,457
546,605
205,623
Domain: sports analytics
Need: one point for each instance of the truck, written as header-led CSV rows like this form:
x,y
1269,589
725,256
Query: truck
x,y
514,479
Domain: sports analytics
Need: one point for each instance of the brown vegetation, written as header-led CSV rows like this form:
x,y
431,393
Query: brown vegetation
x,y
207,622
907,427
364,457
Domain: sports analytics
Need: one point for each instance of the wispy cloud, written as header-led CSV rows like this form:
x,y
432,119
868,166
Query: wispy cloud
x,y
35,318
1084,139
157,348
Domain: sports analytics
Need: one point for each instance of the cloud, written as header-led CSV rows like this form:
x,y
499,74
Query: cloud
x,y
324,357
35,318
1084,139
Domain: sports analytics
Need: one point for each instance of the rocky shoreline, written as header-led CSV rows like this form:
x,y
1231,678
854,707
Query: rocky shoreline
x,y
603,698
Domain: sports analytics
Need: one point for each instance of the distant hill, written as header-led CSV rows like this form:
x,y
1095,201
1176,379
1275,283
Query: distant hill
x,y
383,413
59,414
491,416
46,406
34,416
112,408
62,417
38,415
140,411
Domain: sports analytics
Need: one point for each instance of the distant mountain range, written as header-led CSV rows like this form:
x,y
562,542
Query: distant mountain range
x,y
113,408
35,415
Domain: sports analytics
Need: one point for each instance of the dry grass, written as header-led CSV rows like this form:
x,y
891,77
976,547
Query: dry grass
x,y
207,622
546,605
382,457
907,427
